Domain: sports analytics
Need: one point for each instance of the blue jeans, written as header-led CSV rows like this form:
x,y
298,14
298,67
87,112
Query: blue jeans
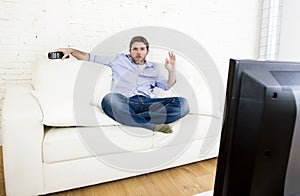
x,y
141,111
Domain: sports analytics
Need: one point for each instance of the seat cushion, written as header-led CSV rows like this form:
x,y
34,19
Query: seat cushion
x,y
62,144
189,128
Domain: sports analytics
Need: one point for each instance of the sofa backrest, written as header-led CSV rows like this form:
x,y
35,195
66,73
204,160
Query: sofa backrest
x,y
61,84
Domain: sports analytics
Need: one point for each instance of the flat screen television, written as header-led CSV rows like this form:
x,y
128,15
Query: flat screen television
x,y
260,141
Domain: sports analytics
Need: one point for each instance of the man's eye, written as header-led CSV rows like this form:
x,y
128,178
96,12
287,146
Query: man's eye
x,y
135,49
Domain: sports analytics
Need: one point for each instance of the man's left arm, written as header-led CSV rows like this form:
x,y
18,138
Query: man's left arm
x,y
170,65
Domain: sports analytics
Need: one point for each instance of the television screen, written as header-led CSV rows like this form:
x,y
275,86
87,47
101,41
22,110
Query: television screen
x,y
260,141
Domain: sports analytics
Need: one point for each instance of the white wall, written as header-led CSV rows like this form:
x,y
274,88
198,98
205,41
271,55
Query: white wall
x,y
226,28
289,49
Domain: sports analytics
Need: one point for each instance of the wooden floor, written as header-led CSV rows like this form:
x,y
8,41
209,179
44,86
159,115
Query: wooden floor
x,y
184,180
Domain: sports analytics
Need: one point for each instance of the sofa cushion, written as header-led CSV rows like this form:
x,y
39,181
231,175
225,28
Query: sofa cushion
x,y
191,83
65,94
58,111
189,128
62,144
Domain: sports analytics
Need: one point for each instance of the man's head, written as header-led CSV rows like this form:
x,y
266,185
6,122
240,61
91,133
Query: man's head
x,y
139,48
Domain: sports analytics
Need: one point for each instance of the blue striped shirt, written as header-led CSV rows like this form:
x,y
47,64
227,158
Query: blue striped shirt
x,y
128,80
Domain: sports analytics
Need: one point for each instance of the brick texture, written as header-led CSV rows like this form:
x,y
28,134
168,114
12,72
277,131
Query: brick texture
x,y
28,29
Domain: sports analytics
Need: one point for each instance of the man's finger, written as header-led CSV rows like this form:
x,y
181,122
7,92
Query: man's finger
x,y
58,50
171,55
63,58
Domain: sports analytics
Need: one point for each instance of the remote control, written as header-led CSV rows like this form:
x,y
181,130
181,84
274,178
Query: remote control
x,y
56,55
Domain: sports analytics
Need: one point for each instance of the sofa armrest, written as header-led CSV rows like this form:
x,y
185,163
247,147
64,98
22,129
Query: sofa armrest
x,y
22,136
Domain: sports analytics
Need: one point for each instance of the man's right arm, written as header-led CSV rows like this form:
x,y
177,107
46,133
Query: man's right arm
x,y
76,53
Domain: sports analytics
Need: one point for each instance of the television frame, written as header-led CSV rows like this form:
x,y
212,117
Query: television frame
x,y
263,168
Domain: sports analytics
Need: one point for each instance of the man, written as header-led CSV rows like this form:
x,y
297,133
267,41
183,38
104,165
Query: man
x,y
132,101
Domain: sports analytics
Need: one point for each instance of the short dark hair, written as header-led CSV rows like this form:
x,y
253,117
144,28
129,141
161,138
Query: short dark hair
x,y
139,39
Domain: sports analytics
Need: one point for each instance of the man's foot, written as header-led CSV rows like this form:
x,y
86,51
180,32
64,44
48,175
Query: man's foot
x,y
164,128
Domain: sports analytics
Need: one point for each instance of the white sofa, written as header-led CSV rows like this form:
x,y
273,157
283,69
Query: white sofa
x,y
55,137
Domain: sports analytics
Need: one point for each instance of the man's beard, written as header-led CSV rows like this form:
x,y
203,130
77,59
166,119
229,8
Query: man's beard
x,y
139,60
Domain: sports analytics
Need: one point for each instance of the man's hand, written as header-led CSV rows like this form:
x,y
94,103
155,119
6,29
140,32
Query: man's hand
x,y
170,63
75,53
66,51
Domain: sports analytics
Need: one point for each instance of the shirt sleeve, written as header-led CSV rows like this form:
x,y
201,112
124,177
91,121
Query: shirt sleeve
x,y
161,81
105,60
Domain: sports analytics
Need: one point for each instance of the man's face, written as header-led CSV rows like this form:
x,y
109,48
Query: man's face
x,y
138,52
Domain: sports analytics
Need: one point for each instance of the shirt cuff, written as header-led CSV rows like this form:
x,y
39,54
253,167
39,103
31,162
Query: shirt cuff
x,y
92,57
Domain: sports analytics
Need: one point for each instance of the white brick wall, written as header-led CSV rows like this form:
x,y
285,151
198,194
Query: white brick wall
x,y
226,28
